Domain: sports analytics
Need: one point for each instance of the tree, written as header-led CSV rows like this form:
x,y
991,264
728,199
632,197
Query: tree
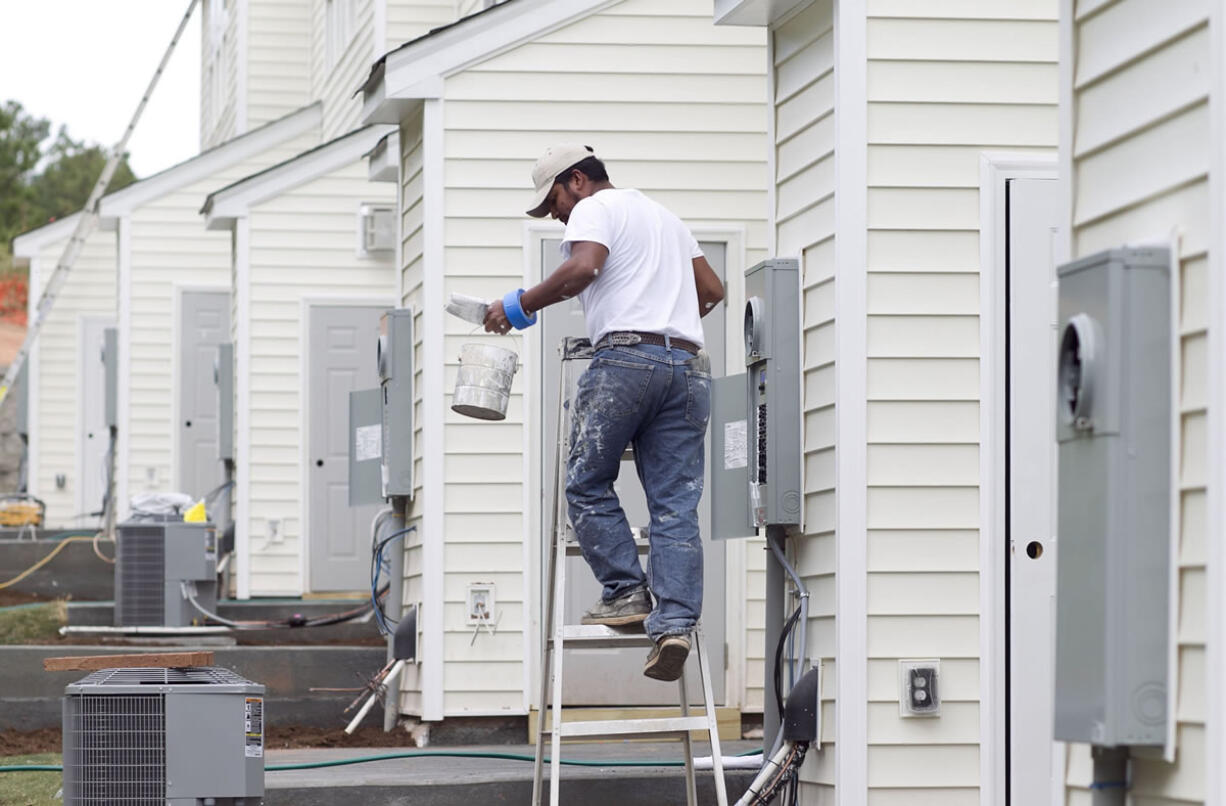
x,y
40,183
20,138
72,168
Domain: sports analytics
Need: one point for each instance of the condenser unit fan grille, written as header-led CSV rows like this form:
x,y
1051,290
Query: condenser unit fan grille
x,y
115,750
141,575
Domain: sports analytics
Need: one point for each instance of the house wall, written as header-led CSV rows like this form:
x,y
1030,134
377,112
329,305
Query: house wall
x,y
1140,159
692,141
278,60
412,278
945,81
409,19
802,63
171,248
90,291
334,82
303,245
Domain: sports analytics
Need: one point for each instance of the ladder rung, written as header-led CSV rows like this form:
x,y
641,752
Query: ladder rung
x,y
640,541
594,636
656,726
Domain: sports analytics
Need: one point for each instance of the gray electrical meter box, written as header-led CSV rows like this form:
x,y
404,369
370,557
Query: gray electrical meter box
x,y
365,447
395,363
223,378
1113,429
772,361
110,364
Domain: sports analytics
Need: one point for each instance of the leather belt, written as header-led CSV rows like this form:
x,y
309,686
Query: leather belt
x,y
629,338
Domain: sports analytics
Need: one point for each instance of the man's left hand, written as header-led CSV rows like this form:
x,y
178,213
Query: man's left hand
x,y
496,319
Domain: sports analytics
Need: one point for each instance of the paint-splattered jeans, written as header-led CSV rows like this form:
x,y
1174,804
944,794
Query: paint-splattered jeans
x,y
660,401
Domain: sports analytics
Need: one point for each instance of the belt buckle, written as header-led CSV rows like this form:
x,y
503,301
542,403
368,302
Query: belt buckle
x,y
624,339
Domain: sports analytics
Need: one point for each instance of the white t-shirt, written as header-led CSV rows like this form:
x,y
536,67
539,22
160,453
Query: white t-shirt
x,y
647,283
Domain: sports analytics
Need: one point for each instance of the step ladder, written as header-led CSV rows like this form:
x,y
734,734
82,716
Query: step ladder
x,y
557,636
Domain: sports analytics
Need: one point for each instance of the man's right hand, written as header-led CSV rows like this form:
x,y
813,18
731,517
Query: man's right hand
x,y
496,319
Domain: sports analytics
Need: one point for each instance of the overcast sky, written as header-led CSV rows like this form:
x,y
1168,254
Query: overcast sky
x,y
85,63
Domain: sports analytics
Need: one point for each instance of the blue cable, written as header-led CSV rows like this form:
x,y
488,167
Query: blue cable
x,y
377,562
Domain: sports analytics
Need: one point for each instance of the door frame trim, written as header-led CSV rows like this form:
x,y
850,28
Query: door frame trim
x,y
735,239
306,304
178,290
995,169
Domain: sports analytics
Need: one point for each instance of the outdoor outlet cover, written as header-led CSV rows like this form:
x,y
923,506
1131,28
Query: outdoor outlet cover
x,y
481,603
919,691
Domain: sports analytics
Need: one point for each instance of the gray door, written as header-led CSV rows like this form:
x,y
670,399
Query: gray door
x,y
93,437
607,676
204,323
340,359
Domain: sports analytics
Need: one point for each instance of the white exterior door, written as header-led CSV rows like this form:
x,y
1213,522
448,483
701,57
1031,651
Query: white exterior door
x,y
93,437
1030,573
204,322
341,357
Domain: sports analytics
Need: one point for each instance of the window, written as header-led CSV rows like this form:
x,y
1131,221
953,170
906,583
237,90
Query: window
x,y
339,27
216,21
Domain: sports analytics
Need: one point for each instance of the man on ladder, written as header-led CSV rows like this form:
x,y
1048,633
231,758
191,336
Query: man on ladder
x,y
644,285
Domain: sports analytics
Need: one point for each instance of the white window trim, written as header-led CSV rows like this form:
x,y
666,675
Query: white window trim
x,y
994,170
340,29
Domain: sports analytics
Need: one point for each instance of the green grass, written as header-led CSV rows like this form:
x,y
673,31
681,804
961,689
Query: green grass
x,y
29,788
23,625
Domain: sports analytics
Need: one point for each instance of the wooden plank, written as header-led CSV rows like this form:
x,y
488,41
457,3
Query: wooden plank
x,y
92,663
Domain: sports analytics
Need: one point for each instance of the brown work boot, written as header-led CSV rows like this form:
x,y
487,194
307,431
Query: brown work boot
x,y
632,608
667,659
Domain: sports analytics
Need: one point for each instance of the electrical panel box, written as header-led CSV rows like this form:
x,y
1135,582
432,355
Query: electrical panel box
x,y
773,376
395,362
1113,429
22,391
729,460
365,447
110,363
223,378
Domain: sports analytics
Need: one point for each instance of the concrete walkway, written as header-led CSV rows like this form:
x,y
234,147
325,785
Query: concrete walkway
x,y
466,781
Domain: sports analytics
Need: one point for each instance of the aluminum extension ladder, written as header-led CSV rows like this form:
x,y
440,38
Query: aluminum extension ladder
x,y
557,636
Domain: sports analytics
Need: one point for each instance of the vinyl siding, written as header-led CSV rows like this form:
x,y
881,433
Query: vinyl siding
x,y
303,245
409,19
676,139
334,83
171,248
89,291
412,278
1140,169
945,81
803,109
278,59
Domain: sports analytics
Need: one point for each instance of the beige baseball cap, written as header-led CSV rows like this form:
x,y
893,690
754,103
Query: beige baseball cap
x,y
554,161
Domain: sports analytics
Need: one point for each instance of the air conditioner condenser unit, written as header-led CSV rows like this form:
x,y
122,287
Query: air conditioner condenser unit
x,y
164,737
152,561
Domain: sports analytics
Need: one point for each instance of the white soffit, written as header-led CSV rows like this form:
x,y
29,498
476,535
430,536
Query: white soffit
x,y
224,206
243,147
383,161
756,12
416,69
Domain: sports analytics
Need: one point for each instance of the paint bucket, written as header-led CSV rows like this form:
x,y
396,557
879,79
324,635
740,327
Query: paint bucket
x,y
483,383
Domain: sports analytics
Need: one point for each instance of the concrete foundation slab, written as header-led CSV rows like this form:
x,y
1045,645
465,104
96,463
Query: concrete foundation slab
x,y
450,781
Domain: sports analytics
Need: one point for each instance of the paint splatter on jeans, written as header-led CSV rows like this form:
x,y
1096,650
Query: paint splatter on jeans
x,y
659,401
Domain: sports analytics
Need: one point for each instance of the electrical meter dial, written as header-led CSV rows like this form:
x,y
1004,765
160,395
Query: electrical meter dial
x,y
1078,363
754,327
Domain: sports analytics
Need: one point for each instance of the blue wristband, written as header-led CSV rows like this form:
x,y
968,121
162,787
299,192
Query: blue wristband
x,y
514,312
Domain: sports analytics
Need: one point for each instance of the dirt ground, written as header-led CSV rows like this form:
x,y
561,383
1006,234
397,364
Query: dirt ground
x,y
11,597
48,740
